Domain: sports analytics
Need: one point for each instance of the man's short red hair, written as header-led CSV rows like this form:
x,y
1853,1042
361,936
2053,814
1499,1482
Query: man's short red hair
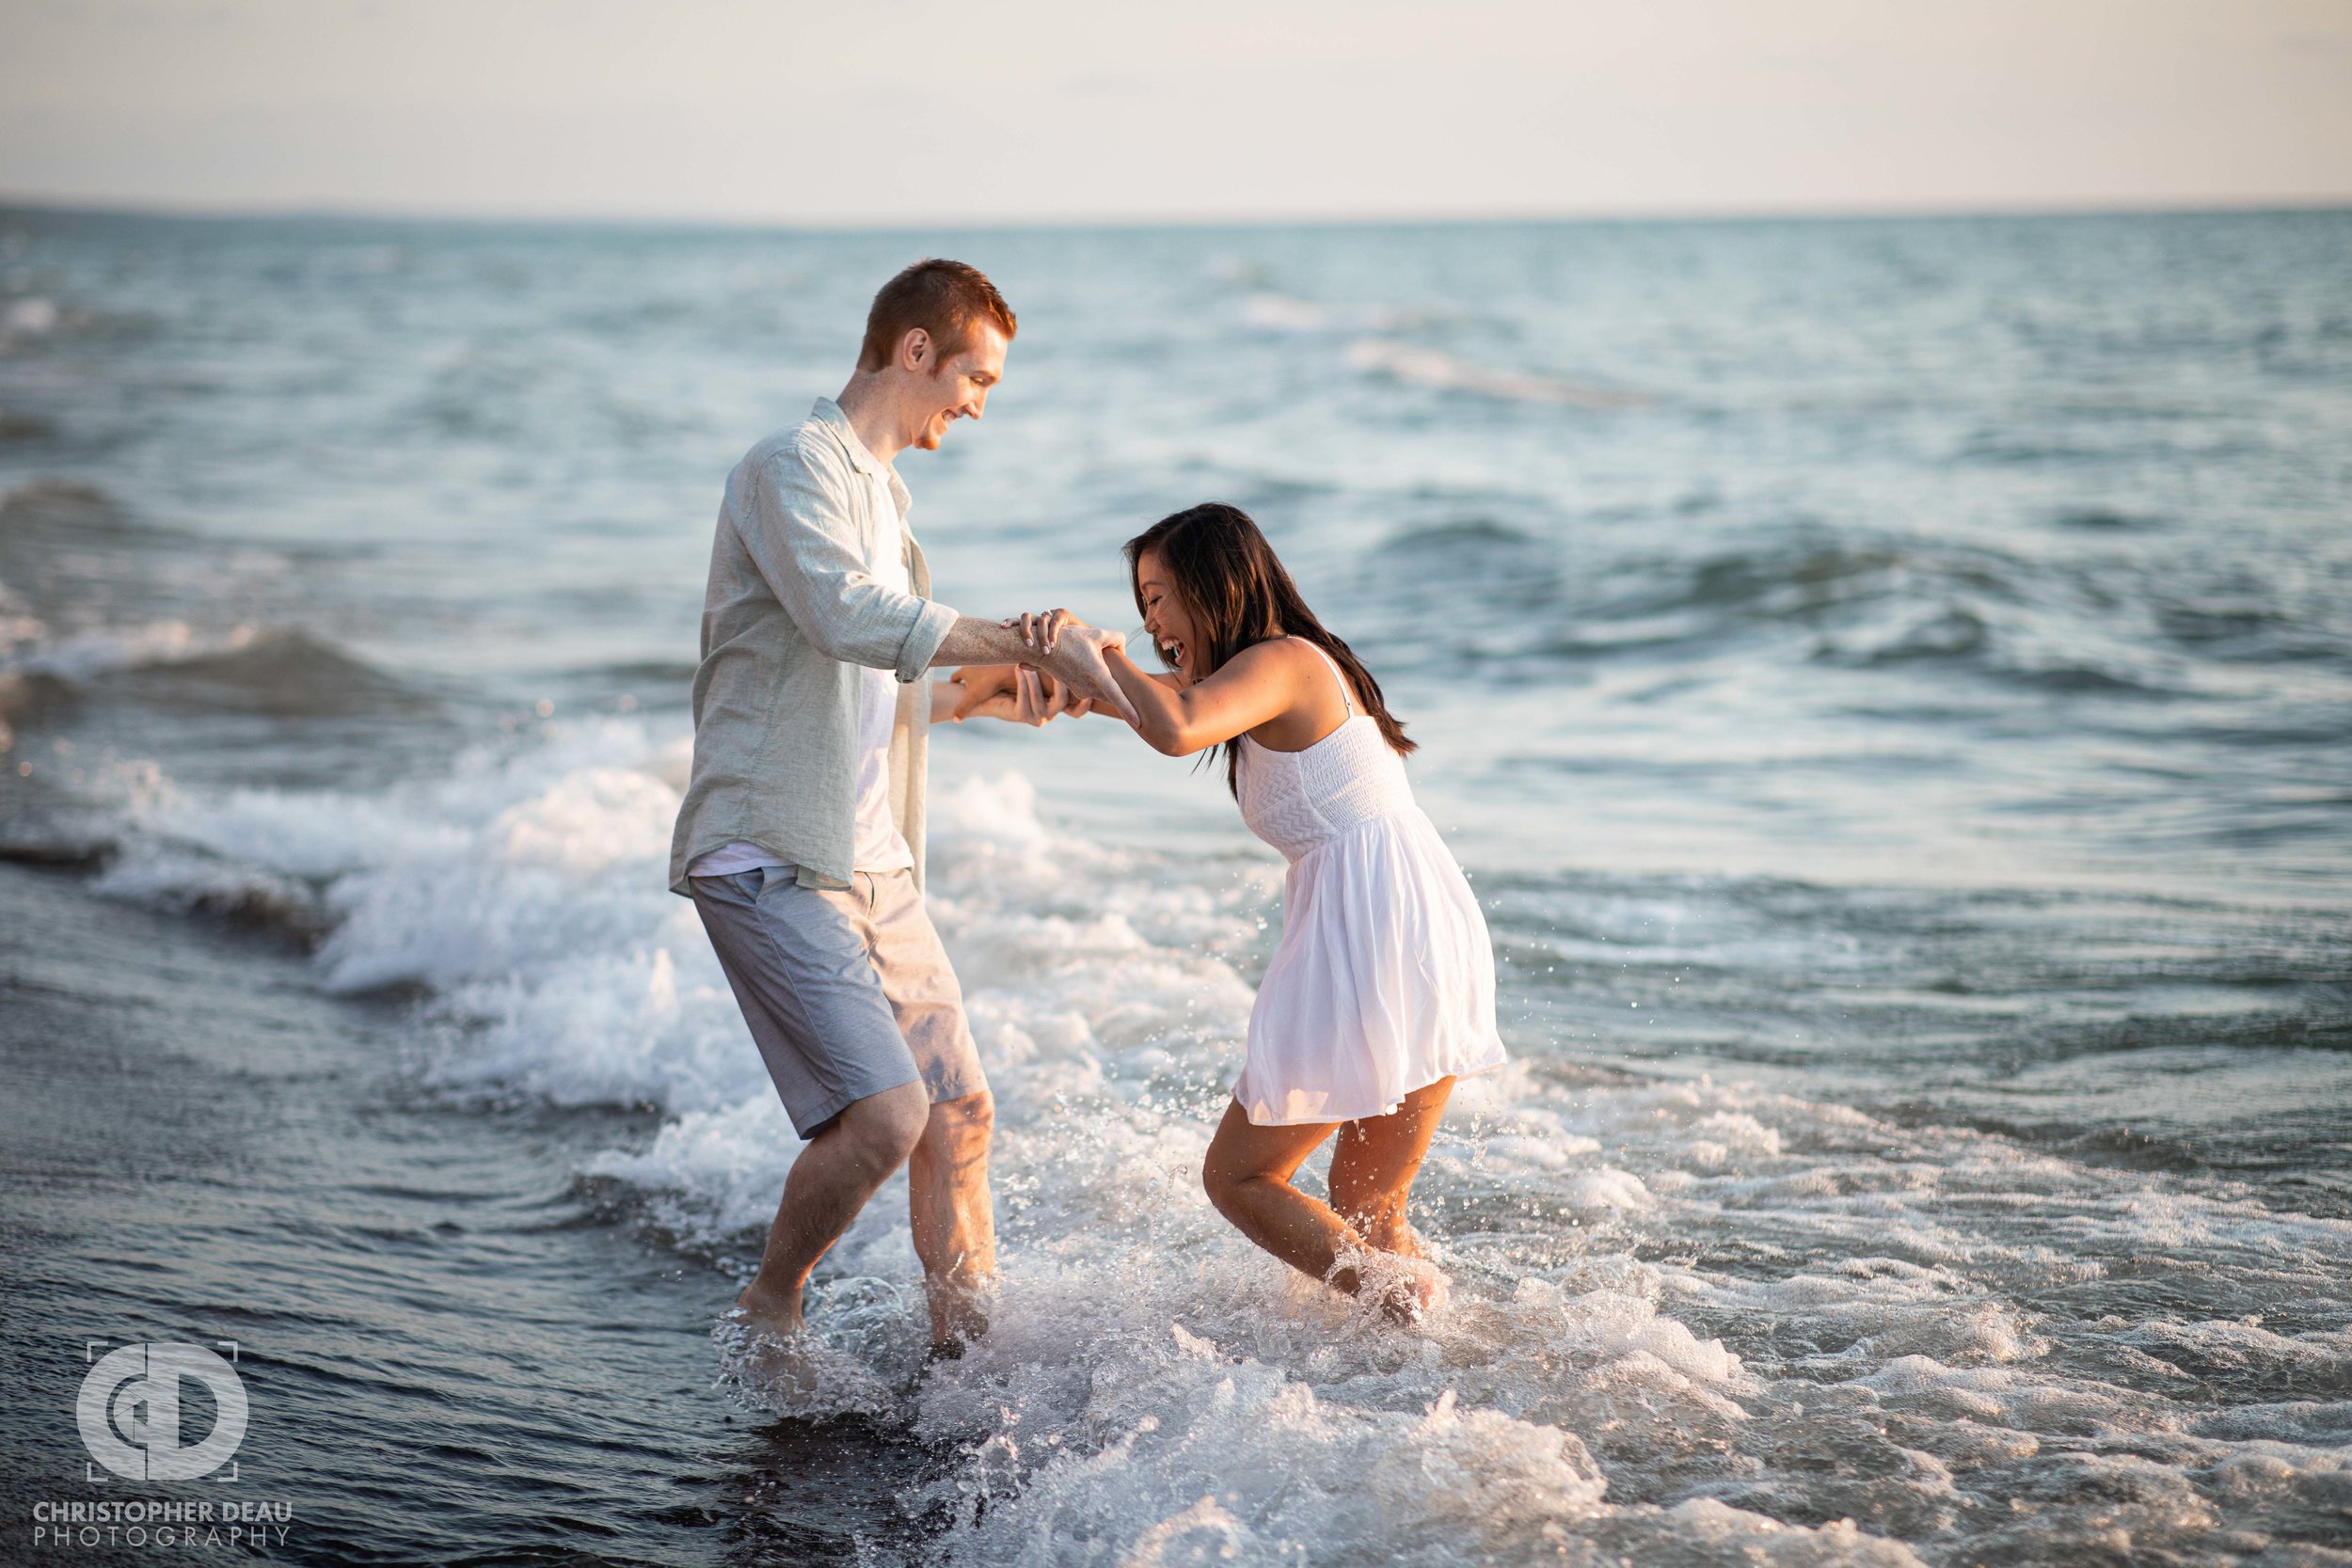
x,y
944,298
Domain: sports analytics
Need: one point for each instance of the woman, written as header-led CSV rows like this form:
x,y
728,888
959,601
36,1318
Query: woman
x,y
1382,989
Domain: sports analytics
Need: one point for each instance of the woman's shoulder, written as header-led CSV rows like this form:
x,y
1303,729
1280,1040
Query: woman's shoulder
x,y
1314,695
1294,661
1275,654
1309,661
1288,648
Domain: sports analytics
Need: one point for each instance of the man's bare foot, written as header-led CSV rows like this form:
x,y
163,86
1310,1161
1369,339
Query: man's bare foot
x,y
957,1318
766,1358
794,1372
764,1313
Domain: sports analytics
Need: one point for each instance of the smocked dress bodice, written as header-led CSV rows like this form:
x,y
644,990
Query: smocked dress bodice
x,y
1384,980
1296,800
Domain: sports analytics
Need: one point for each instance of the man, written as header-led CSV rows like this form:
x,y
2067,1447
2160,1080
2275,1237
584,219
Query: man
x,y
801,836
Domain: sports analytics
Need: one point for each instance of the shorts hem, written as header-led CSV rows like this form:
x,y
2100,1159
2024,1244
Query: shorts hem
x,y
834,1106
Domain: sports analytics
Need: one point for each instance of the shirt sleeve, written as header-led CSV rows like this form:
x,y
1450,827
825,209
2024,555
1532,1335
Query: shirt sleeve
x,y
794,517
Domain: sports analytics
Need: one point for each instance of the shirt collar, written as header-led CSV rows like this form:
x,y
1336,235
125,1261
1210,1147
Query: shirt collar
x,y
860,459
863,461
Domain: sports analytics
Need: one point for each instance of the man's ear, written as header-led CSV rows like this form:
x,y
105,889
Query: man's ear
x,y
914,349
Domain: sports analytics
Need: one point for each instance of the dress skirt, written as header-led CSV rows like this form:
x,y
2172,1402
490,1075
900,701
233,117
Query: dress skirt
x,y
1383,982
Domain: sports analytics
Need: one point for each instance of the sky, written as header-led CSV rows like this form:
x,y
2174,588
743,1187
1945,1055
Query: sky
x,y
883,112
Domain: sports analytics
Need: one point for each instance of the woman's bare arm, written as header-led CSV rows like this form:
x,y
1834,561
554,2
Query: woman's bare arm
x,y
1258,684
1175,717
1081,708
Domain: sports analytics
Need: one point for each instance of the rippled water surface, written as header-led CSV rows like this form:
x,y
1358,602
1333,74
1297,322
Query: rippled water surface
x,y
1890,682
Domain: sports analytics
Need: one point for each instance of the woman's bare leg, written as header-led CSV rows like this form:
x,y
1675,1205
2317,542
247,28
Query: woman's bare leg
x,y
1373,1164
1247,1176
1248,1172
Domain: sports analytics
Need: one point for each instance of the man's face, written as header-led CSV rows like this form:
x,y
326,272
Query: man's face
x,y
956,388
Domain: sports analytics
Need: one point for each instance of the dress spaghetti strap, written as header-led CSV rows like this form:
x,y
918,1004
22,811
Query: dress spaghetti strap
x,y
1334,663
1384,980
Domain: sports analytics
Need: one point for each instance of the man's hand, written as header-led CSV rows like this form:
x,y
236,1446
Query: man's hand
x,y
979,685
1070,649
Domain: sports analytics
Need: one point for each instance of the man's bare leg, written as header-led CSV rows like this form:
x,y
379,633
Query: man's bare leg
x,y
841,1168
951,1214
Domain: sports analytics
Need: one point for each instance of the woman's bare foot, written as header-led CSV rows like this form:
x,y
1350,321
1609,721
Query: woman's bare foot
x,y
1399,1238
1405,1289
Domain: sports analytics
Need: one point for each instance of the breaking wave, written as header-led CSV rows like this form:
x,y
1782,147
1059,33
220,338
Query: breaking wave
x,y
1691,1320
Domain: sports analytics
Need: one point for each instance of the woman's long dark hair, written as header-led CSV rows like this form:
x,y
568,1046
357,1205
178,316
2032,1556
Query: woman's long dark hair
x,y
1230,580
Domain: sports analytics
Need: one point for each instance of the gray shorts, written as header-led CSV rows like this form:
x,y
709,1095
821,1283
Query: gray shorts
x,y
848,992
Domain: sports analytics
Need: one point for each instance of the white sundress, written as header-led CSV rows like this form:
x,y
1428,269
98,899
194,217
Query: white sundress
x,y
1384,980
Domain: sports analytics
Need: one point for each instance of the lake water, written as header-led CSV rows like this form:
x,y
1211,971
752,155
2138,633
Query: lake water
x,y
1890,683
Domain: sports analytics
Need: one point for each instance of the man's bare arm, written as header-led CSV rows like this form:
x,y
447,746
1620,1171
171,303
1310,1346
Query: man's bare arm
x,y
971,642
1076,660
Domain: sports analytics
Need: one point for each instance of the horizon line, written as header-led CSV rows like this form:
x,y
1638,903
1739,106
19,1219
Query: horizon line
x,y
322,211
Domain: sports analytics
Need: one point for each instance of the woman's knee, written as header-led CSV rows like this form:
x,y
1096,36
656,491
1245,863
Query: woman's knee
x,y
1224,1181
1367,1205
1244,1158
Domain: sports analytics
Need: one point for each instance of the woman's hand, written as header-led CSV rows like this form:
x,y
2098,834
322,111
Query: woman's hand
x,y
1077,653
1043,630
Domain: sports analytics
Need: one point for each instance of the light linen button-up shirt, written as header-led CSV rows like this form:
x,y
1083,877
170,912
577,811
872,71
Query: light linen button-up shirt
x,y
792,620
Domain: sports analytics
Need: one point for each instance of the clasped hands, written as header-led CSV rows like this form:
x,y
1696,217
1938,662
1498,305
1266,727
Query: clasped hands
x,y
1064,675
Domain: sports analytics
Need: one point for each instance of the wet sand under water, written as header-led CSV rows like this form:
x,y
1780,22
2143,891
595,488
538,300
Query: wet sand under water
x,y
455,1349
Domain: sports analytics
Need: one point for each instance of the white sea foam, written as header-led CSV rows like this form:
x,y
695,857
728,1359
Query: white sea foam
x,y
1280,313
1690,1322
153,642
1429,367
35,317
